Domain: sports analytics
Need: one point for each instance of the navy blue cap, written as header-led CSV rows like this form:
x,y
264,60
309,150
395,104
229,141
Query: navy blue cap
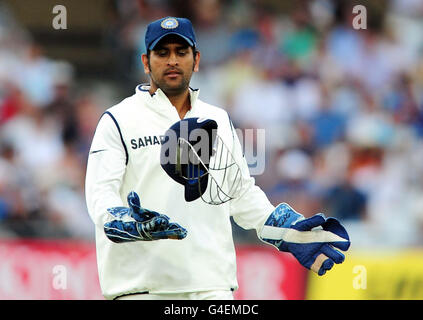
x,y
193,177
169,25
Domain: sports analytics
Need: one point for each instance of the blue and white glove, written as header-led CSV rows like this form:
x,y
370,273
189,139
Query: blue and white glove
x,y
313,247
138,224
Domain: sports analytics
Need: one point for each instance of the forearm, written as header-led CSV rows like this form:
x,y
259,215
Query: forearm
x,y
105,171
252,209
102,192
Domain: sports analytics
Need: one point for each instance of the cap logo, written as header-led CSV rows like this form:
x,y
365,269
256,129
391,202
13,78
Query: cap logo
x,y
169,23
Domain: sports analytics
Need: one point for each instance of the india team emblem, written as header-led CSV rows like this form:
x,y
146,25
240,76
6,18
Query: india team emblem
x,y
169,23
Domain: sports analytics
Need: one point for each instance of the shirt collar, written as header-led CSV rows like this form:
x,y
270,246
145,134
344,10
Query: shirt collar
x,y
159,101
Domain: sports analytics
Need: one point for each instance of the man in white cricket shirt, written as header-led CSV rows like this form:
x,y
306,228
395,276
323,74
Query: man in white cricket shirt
x,y
156,236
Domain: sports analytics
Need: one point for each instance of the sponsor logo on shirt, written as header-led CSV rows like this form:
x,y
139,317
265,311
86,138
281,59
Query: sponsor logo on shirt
x,y
146,141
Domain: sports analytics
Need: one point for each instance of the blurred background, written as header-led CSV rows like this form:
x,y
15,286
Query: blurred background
x,y
342,109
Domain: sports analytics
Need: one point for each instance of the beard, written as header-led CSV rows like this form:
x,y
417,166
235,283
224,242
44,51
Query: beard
x,y
172,87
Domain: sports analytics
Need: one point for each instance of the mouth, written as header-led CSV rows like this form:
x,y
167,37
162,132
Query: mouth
x,y
172,74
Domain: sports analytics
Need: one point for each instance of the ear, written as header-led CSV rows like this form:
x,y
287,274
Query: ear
x,y
196,61
144,60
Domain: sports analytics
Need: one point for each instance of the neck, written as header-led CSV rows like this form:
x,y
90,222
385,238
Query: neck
x,y
181,101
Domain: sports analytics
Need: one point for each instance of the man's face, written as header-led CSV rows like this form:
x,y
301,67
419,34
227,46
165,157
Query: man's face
x,y
171,64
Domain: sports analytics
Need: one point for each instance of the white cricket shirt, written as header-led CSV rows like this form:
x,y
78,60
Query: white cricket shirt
x,y
124,157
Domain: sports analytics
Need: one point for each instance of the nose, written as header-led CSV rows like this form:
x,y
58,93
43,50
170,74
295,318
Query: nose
x,y
173,59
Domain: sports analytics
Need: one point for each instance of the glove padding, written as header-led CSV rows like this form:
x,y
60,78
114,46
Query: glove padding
x,y
139,224
289,231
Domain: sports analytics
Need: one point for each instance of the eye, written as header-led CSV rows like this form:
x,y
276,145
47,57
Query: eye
x,y
162,53
182,52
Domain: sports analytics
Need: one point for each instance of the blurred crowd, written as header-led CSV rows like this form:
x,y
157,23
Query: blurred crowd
x,y
45,133
342,111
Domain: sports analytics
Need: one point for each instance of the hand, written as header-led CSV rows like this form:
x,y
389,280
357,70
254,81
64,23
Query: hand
x,y
139,224
289,231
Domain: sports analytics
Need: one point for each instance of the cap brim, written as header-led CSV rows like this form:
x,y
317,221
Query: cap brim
x,y
166,34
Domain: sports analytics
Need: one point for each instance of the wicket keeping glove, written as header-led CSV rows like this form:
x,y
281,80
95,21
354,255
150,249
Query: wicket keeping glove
x,y
313,247
139,224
